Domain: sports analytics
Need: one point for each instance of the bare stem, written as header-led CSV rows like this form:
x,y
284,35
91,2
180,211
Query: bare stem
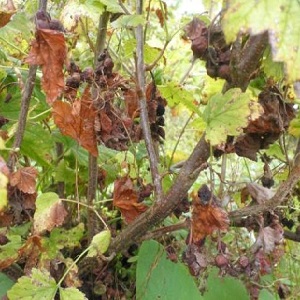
x,y
140,69
25,101
93,165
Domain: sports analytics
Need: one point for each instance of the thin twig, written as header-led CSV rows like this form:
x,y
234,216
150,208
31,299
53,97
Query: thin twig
x,y
25,101
160,55
93,165
180,135
140,68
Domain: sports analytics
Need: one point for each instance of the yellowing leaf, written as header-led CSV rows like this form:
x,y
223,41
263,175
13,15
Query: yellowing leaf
x,y
3,191
128,21
39,285
49,213
294,128
100,243
227,114
279,17
71,293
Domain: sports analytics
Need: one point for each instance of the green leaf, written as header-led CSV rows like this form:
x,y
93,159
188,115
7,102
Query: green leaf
x,y
150,53
99,244
159,278
176,94
112,6
39,286
5,284
61,238
89,8
280,17
71,293
67,238
225,288
266,295
9,251
227,114
63,173
128,21
272,68
37,144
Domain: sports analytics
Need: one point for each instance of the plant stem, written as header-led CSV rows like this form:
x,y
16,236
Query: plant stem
x,y
140,70
25,101
93,165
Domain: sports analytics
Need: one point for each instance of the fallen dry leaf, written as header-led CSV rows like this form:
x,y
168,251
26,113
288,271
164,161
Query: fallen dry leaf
x,y
24,179
49,51
77,121
126,197
207,216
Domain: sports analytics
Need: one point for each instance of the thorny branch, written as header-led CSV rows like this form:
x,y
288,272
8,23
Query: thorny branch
x,y
140,69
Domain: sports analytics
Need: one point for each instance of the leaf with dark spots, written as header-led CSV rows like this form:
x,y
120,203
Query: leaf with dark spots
x,y
126,199
49,51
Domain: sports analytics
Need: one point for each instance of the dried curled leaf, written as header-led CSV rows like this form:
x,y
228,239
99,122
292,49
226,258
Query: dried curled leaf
x,y
77,121
7,13
207,215
126,199
49,51
24,179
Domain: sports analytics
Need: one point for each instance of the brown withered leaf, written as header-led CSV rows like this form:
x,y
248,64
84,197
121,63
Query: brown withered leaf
x,y
259,193
31,251
77,121
49,51
126,199
162,15
24,179
6,14
269,237
197,32
132,103
207,216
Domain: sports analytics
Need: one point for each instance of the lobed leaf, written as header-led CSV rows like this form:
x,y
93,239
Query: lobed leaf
x,y
24,179
39,285
227,114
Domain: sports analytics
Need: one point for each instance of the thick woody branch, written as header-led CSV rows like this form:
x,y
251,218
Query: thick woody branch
x,y
158,212
245,60
140,70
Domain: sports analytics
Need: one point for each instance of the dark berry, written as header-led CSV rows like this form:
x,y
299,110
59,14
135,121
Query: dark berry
x,y
160,110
